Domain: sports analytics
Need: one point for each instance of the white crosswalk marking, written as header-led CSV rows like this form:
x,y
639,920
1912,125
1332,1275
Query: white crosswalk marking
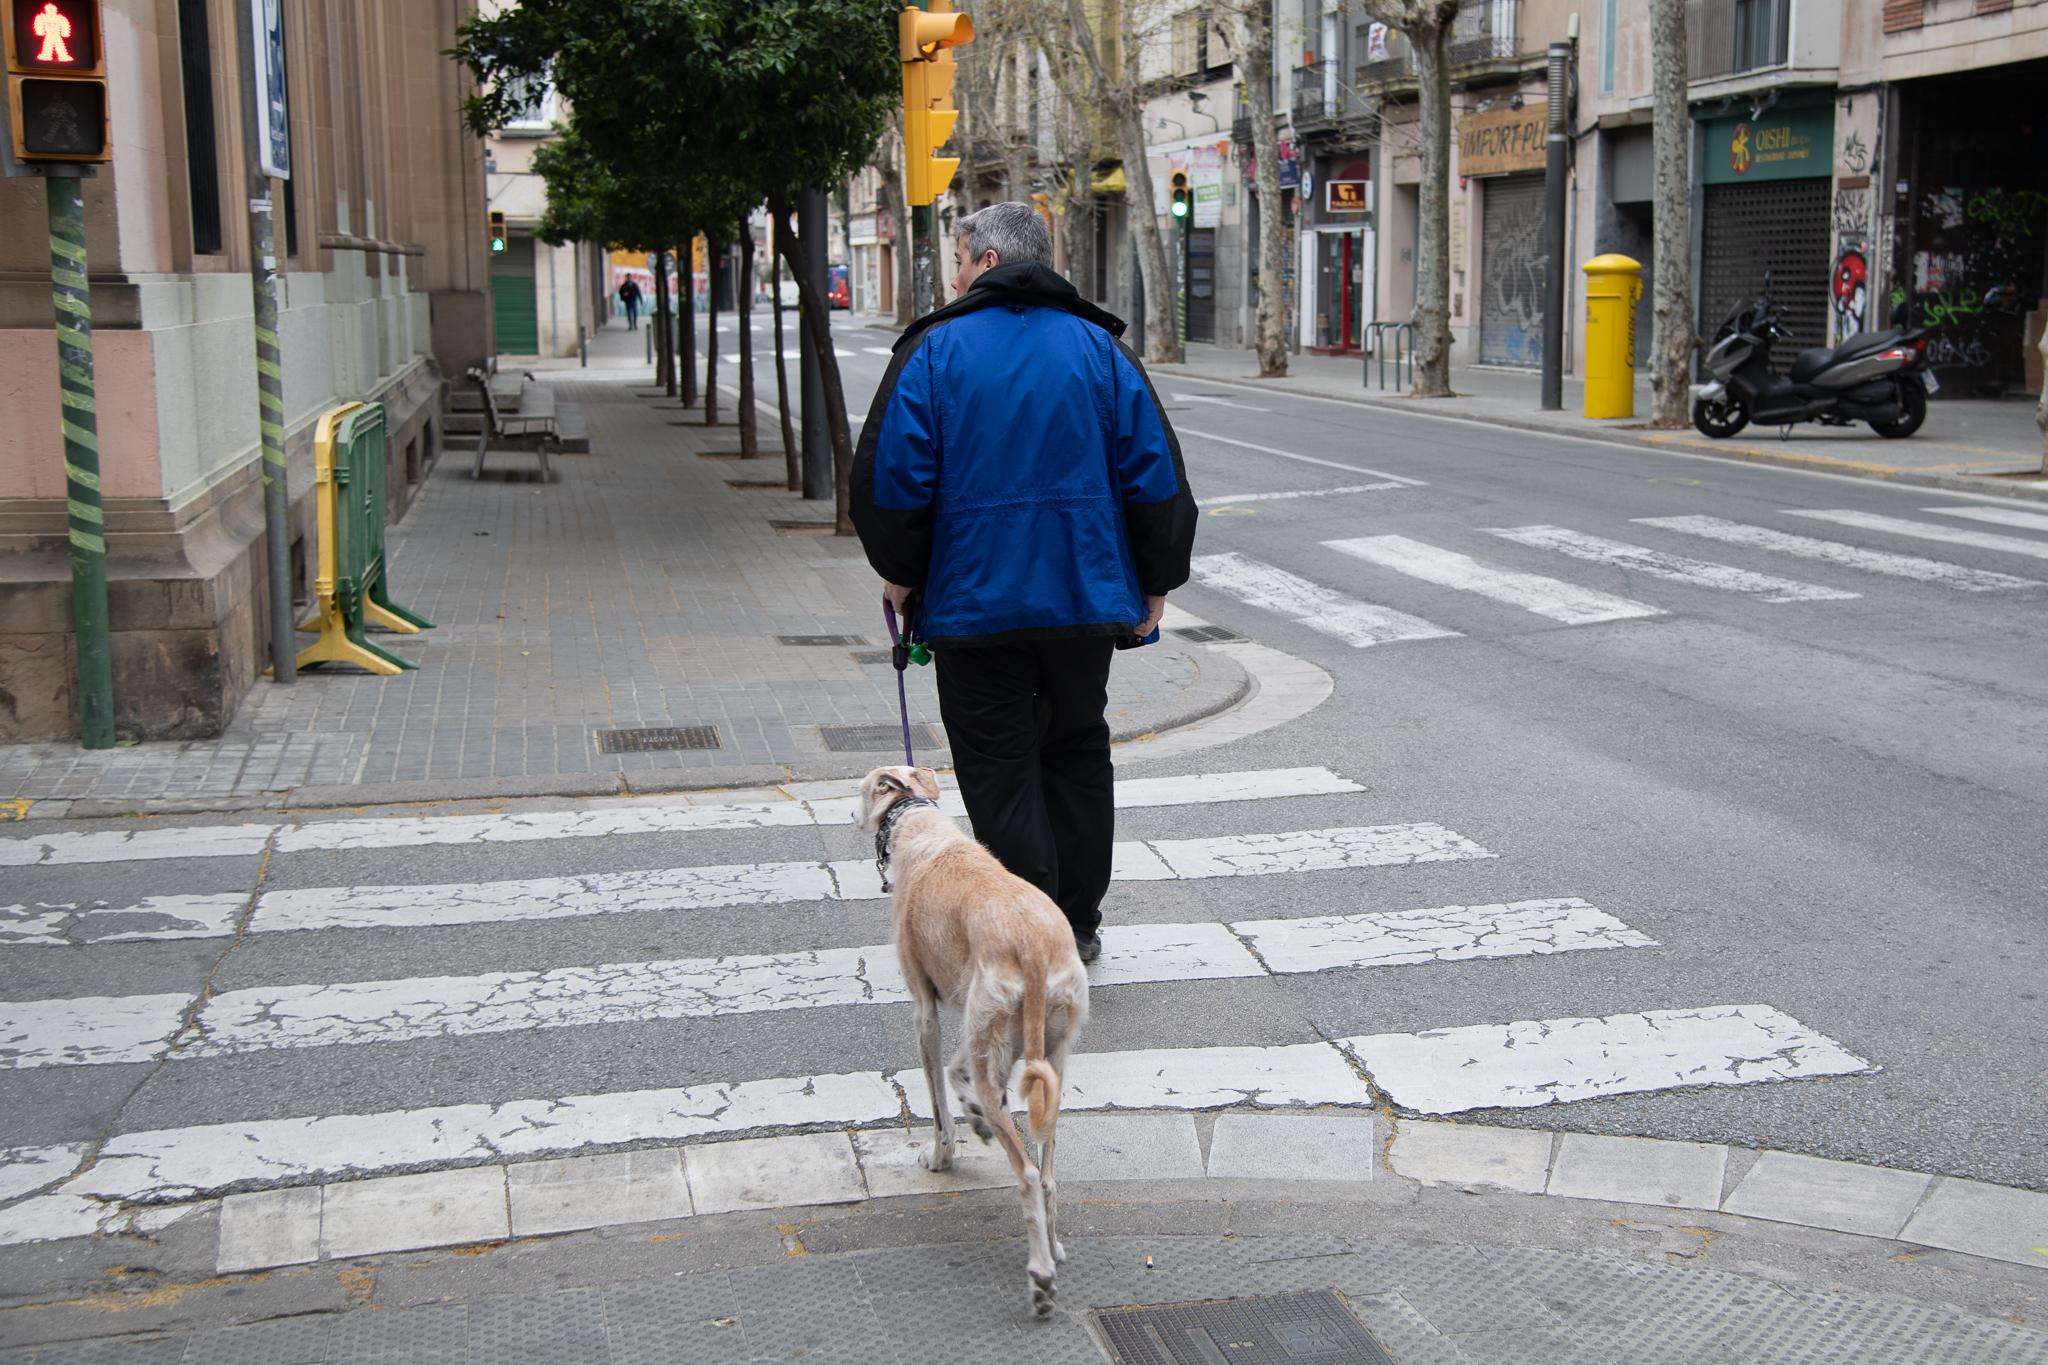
x,y
1927,530
1305,459
1230,499
87,1030
1698,573
1556,1061
813,803
1835,552
151,918
1448,934
1999,516
1321,609
1550,597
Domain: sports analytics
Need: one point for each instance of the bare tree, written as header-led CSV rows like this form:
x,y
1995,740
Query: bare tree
x,y
1255,63
1673,335
1426,24
888,166
1117,90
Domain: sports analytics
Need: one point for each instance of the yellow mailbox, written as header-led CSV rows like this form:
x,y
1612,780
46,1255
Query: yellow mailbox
x,y
1613,284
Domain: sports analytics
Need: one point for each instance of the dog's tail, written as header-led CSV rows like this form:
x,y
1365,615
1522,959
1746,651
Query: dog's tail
x,y
1041,1084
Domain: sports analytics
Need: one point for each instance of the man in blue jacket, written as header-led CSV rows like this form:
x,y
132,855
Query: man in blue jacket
x,y
1019,484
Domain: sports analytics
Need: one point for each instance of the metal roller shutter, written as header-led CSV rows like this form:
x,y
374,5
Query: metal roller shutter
x,y
1511,271
1775,225
1202,284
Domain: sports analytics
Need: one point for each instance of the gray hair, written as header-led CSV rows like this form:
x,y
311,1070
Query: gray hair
x,y
1015,232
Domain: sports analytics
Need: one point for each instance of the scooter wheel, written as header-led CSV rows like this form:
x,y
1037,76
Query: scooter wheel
x,y
1912,411
1720,417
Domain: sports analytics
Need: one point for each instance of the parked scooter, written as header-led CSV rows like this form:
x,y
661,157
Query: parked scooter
x,y
1877,377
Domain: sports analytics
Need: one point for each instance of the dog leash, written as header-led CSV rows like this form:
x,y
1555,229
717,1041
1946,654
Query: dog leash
x,y
903,653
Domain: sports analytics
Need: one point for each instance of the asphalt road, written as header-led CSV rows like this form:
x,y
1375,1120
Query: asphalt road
x,y
1829,805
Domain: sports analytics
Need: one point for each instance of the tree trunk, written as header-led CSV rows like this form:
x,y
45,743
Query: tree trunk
x,y
1162,328
818,326
1270,328
1077,226
899,244
792,458
713,251
1673,335
1433,225
664,373
683,336
743,315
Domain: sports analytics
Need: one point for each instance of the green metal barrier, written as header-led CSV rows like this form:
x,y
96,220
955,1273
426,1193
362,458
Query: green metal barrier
x,y
349,454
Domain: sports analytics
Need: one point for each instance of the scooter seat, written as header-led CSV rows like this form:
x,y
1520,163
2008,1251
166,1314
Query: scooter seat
x,y
1811,363
1867,343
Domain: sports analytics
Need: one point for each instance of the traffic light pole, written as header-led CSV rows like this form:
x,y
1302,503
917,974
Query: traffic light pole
x,y
277,534
924,272
72,294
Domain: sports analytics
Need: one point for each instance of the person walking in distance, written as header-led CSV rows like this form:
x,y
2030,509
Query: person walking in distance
x,y
1018,486
629,298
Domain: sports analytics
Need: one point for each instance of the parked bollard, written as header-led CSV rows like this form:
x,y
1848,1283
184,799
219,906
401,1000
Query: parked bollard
x,y
1613,284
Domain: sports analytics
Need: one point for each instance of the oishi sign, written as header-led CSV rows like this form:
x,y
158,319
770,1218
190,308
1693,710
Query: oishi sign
x,y
1784,144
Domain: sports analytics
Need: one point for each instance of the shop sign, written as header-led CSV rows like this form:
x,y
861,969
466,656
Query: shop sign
x,y
1783,144
1346,196
1502,140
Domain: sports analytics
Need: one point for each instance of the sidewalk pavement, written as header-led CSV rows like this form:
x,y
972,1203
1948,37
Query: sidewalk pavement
x,y
662,584
1967,445
1449,1242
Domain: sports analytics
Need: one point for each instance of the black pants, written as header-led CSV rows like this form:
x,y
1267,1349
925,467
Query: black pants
x,y
1031,749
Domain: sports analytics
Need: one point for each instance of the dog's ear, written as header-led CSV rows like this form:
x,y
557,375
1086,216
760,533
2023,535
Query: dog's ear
x,y
878,791
926,782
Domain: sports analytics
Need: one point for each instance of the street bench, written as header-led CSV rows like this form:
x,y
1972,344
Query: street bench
x,y
502,429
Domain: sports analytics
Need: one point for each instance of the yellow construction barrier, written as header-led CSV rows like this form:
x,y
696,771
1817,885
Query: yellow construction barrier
x,y
1613,285
348,455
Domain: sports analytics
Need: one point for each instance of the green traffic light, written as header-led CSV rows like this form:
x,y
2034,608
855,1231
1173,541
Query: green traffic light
x,y
1180,208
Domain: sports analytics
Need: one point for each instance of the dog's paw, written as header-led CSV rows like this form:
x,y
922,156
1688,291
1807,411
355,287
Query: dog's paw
x,y
981,1129
1042,1293
1059,1253
933,1158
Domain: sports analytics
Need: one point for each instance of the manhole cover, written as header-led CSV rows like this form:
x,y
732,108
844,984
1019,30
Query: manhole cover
x,y
1206,634
871,656
838,641
640,741
1267,1330
875,739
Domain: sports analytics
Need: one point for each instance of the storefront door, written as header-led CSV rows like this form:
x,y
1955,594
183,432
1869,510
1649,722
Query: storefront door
x,y
1511,271
1201,284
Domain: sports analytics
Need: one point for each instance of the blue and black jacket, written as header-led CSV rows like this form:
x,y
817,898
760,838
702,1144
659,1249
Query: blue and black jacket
x,y
1018,469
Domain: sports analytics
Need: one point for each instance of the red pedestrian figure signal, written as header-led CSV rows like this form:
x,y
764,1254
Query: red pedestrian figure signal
x,y
53,28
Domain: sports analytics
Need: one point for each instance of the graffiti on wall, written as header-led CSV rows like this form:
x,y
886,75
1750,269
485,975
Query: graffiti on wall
x,y
1851,287
1976,261
1855,156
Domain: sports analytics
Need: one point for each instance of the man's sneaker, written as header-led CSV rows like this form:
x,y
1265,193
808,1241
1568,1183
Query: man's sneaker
x,y
1088,945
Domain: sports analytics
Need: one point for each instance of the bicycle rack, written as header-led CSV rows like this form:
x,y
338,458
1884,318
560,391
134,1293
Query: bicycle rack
x,y
1402,345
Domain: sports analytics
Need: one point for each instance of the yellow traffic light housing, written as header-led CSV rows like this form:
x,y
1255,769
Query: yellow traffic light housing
x,y
497,231
923,39
1182,199
57,81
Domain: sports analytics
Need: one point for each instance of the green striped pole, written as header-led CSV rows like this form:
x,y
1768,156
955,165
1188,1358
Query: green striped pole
x,y
73,297
284,639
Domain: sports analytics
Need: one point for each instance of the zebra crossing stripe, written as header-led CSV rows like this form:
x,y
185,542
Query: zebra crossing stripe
x,y
1558,600
1446,1071
88,1030
1698,573
1835,552
1927,530
153,918
324,1015
2000,516
1310,604
1231,499
816,803
1556,1061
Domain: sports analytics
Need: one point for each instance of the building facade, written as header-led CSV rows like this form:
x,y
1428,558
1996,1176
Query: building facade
x,y
383,293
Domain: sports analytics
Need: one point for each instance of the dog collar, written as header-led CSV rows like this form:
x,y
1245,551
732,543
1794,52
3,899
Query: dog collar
x,y
887,828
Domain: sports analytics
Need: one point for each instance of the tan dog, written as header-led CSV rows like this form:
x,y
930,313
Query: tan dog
x,y
993,946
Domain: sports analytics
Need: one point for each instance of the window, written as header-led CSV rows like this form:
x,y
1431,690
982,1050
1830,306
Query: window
x,y
1763,31
1606,47
202,154
533,97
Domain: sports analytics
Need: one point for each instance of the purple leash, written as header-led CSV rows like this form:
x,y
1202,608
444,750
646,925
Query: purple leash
x,y
899,654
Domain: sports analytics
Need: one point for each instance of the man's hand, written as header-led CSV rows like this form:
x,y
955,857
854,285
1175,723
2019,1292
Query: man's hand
x,y
897,596
1155,609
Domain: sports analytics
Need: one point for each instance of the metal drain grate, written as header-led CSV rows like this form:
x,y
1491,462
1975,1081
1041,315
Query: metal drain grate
x,y
876,739
871,656
1271,1329
641,741
1206,634
839,641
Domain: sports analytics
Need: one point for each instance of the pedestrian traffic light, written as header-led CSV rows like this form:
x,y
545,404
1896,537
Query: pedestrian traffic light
x,y
57,81
923,38
1182,199
497,231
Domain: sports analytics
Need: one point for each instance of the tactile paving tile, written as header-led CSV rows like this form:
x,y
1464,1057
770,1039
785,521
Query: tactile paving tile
x,y
957,1265
1405,1333
683,1298
1516,1346
810,1305
568,1325
938,1325
290,1341
169,1352
677,1343
414,1331
1588,1290
1883,1333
